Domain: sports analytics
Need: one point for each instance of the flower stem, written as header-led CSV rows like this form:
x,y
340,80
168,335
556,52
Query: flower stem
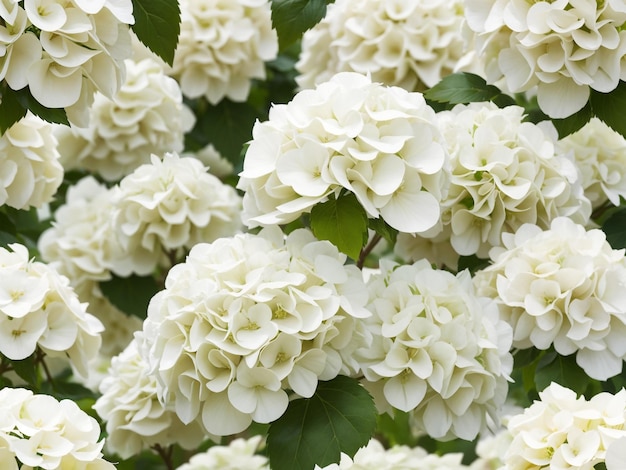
x,y
367,250
166,455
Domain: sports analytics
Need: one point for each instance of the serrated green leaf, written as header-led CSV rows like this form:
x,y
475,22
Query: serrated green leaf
x,y
343,222
575,122
291,18
130,294
157,25
465,87
11,110
614,226
609,107
339,417
55,115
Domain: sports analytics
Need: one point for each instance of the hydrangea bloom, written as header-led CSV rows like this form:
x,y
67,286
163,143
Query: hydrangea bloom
x,y
600,153
217,164
407,44
136,420
30,172
237,455
222,46
563,287
38,308
563,431
504,173
37,431
145,116
381,143
167,205
438,350
561,47
246,318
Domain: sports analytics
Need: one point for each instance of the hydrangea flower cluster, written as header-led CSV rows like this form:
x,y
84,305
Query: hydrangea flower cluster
x,y
438,351
247,318
223,45
504,173
563,48
38,308
600,153
407,44
237,455
145,116
563,287
30,171
136,420
563,431
380,143
65,51
37,431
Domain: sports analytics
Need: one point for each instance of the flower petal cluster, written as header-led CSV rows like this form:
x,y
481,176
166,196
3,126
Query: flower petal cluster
x,y
38,431
136,420
438,350
562,287
239,454
563,48
563,431
380,143
166,205
145,116
407,44
600,153
38,308
30,171
223,45
65,50
246,319
505,173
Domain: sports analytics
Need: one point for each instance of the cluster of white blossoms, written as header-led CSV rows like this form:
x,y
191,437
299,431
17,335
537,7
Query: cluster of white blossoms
x,y
38,431
562,287
438,350
600,154
38,308
239,454
247,318
223,45
562,431
380,143
504,173
562,48
64,51
169,204
145,116
407,44
30,171
136,420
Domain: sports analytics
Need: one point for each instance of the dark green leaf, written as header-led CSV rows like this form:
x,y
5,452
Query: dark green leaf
x,y
553,367
291,18
524,357
11,110
26,369
55,115
343,222
615,228
157,25
340,417
130,294
383,229
571,124
466,88
472,262
609,107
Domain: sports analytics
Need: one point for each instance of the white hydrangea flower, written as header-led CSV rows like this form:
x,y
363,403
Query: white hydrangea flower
x,y
30,171
380,143
616,454
563,48
247,318
145,116
437,250
600,153
169,204
216,163
505,173
410,44
562,431
38,431
563,287
439,351
38,308
237,455
136,420
223,45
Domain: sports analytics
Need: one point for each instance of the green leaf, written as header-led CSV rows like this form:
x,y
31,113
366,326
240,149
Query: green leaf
x,y
157,25
571,124
609,107
11,110
130,294
26,369
291,18
466,88
564,370
55,115
383,229
343,222
339,417
615,228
